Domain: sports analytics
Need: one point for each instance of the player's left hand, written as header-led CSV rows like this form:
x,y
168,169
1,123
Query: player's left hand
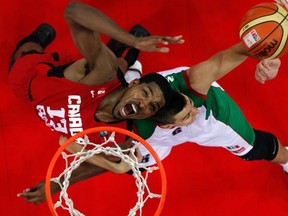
x,y
157,43
267,69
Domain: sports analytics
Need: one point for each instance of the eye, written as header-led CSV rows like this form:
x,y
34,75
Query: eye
x,y
152,108
187,116
145,93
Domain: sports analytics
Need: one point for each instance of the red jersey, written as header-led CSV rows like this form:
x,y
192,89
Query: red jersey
x,y
65,106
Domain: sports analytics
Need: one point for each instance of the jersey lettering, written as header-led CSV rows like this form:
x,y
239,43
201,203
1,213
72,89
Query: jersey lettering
x,y
176,131
145,158
170,79
75,121
55,119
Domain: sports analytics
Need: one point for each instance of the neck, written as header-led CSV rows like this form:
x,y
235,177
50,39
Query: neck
x,y
104,112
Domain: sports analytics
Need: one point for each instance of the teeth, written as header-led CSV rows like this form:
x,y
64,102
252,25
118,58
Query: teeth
x,y
128,109
134,108
123,111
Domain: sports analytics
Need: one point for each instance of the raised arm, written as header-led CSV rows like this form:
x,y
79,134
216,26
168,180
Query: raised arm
x,y
202,75
86,22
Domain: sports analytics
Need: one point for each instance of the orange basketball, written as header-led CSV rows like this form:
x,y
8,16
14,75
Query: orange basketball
x,y
264,31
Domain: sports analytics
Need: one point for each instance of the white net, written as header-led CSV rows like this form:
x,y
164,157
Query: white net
x,y
89,149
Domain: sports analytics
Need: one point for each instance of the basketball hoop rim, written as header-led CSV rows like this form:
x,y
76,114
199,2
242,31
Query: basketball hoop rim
x,y
110,129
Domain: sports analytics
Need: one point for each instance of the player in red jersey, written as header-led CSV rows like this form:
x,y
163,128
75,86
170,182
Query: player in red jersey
x,y
71,95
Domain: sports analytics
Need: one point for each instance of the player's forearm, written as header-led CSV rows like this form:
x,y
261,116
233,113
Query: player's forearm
x,y
85,171
99,160
114,167
93,19
227,60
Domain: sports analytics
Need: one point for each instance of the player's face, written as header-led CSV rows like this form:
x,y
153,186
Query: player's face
x,y
187,115
139,101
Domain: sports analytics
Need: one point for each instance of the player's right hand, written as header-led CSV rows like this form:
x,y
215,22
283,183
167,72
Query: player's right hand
x,y
283,3
36,194
157,43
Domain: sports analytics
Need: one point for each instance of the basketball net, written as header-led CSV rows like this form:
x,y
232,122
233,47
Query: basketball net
x,y
73,160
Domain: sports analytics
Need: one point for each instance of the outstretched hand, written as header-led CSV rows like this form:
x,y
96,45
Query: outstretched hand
x,y
157,43
267,70
36,194
283,3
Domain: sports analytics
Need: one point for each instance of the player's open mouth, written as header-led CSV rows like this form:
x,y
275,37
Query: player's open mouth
x,y
129,109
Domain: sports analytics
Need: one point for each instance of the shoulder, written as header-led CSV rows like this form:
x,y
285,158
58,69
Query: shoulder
x,y
174,71
144,127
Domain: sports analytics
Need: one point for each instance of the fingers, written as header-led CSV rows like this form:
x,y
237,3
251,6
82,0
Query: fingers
x,y
264,64
138,155
162,49
32,196
282,2
261,72
166,40
275,62
263,68
260,78
173,40
267,69
32,199
62,139
157,43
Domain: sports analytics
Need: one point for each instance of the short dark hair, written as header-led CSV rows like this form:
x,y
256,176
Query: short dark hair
x,y
167,113
161,82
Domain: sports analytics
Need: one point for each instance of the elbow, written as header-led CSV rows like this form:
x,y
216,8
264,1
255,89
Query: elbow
x,y
71,9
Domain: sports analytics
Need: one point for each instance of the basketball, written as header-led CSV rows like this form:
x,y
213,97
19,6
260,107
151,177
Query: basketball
x,y
264,31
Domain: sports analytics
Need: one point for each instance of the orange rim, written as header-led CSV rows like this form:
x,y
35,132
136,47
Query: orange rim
x,y
110,129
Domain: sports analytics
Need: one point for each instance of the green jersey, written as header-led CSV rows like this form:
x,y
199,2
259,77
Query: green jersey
x,y
217,104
